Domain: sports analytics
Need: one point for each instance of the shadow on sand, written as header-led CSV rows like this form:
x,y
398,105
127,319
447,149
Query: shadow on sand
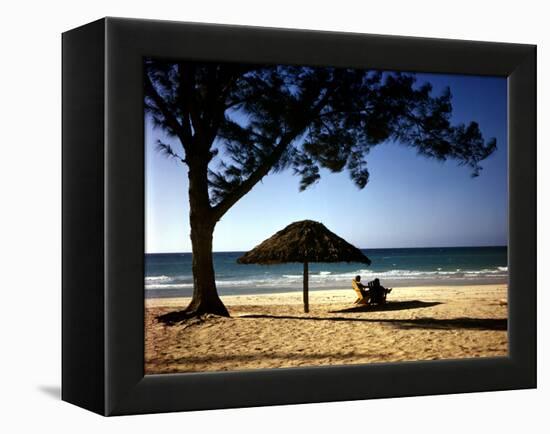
x,y
410,323
251,357
418,323
393,305
451,323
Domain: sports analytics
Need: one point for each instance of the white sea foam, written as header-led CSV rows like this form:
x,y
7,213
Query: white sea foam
x,y
169,286
157,278
325,278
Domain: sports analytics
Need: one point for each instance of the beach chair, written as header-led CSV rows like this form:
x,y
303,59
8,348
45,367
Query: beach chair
x,y
377,293
361,299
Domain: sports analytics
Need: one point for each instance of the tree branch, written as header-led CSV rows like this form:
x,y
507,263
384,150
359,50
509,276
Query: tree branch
x,y
232,198
186,97
168,116
219,109
220,209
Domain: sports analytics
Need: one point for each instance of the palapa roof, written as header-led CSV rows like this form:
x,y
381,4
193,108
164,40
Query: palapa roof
x,y
306,240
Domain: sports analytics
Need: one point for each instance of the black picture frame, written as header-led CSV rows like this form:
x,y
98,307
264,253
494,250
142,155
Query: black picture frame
x,y
103,217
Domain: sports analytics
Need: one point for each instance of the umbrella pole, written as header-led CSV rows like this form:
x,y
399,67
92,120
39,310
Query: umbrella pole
x,y
306,287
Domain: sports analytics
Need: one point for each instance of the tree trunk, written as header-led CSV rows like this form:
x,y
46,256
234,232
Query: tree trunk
x,y
205,296
306,287
202,221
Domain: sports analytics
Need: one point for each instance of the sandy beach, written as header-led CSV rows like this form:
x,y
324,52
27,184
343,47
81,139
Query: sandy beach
x,y
272,331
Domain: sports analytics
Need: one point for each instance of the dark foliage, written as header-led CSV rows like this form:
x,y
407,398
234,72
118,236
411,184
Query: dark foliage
x,y
251,120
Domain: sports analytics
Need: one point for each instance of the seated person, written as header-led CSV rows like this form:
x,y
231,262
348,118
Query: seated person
x,y
363,295
377,292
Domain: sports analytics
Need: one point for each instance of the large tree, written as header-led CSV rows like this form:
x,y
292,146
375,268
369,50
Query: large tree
x,y
233,124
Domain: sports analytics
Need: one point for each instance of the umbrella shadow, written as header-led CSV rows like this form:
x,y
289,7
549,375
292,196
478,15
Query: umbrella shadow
x,y
393,305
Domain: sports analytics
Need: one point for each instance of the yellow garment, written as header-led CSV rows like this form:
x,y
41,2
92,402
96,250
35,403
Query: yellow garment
x,y
357,289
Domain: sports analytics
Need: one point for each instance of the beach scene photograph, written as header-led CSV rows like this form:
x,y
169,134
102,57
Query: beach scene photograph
x,y
300,216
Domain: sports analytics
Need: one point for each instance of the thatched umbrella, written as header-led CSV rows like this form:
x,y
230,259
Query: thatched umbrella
x,y
304,241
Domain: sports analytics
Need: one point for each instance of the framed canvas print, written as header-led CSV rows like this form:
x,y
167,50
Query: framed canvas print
x,y
262,216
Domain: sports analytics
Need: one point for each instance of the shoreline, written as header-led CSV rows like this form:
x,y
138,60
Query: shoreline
x,y
227,291
272,331
322,296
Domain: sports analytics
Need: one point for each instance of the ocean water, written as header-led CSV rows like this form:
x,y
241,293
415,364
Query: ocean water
x,y
169,274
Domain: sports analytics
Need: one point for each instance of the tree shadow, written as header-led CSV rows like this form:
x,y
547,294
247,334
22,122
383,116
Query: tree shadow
x,y
394,305
251,357
172,318
451,323
413,323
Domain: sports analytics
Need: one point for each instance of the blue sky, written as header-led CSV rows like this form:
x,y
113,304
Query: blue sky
x,y
410,201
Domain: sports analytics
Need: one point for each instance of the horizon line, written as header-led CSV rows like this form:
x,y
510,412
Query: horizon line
x,y
360,248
